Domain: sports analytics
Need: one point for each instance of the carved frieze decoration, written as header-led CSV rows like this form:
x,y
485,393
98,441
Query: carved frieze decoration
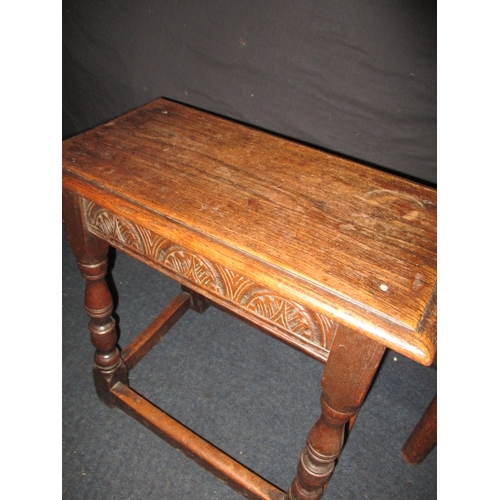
x,y
306,326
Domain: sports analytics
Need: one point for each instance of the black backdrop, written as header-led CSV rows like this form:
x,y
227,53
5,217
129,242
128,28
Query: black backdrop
x,y
353,77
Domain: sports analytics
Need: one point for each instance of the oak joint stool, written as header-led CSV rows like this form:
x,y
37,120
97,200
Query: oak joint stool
x,y
334,258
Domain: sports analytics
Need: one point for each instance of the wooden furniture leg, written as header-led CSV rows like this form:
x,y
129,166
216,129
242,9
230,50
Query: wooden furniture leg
x,y
349,371
92,257
423,439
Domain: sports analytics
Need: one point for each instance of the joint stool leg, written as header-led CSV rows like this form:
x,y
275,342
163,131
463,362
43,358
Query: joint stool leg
x,y
91,254
108,365
317,461
349,371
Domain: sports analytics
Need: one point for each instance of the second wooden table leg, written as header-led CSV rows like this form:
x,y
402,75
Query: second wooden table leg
x,y
349,371
423,439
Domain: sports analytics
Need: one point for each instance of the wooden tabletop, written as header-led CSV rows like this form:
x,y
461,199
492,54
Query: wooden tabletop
x,y
351,241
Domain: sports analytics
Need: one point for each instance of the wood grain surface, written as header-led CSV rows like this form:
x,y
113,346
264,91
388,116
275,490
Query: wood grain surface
x,y
349,241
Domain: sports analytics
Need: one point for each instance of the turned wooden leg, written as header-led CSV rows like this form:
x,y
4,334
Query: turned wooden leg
x,y
349,371
91,254
108,365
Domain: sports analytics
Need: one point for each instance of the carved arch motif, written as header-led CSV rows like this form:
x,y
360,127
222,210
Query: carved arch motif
x,y
300,322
